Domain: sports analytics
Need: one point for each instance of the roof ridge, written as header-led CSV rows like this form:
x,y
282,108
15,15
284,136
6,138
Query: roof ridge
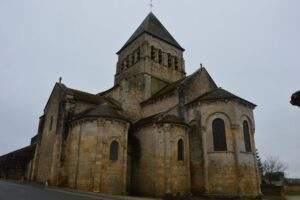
x,y
177,84
160,117
202,95
95,98
79,91
173,84
102,111
219,96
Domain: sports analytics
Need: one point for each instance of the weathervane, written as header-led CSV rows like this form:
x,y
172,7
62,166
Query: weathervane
x,y
151,5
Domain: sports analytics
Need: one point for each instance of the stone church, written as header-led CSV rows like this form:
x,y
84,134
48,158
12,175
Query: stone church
x,y
156,132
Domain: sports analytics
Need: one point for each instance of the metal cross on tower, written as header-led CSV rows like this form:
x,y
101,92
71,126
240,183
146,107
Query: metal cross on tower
x,y
151,5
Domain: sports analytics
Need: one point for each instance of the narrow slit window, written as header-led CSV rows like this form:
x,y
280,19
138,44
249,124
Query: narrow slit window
x,y
131,57
160,57
169,60
180,150
51,123
127,62
114,151
176,63
123,65
152,53
138,54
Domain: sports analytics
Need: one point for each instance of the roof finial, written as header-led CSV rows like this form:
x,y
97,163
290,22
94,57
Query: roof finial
x,y
151,5
201,65
60,79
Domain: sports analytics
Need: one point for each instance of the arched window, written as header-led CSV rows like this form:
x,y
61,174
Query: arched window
x,y
114,150
219,135
176,63
246,136
180,149
131,58
138,54
160,58
51,123
169,60
122,65
152,53
127,62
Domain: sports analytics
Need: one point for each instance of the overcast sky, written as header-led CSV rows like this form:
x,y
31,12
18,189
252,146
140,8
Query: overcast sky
x,y
250,48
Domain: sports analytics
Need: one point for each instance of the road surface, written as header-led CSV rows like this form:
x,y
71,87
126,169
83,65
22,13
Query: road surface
x,y
292,197
13,191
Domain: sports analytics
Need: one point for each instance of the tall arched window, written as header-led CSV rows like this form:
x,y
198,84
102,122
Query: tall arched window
x,y
114,151
176,63
180,149
138,54
127,62
169,60
246,136
131,58
152,53
160,57
219,135
51,123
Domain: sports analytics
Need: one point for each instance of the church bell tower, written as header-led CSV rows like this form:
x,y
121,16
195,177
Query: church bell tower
x,y
153,52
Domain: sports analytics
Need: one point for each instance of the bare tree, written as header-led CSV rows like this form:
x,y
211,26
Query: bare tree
x,y
272,167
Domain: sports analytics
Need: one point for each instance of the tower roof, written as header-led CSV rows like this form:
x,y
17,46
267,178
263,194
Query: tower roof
x,y
154,27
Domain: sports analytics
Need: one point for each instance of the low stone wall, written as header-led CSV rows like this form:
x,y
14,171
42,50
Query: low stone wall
x,y
292,186
271,190
292,189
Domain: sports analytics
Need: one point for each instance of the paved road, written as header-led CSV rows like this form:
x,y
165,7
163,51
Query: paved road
x,y
293,197
13,191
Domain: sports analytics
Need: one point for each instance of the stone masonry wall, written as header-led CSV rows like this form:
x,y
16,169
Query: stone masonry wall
x,y
233,172
158,162
88,164
46,151
159,105
146,65
197,85
196,157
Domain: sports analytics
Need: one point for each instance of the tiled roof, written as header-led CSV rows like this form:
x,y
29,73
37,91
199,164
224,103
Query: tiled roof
x,y
166,90
169,89
109,90
154,27
104,111
220,94
104,106
160,118
91,98
26,153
